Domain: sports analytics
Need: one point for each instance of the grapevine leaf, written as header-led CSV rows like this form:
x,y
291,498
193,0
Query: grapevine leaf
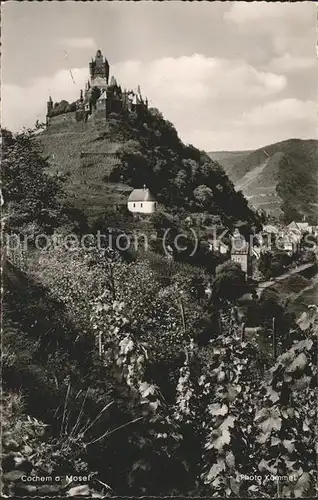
x,y
304,321
215,470
264,466
299,362
262,438
253,488
261,414
289,445
305,427
217,409
225,438
275,441
232,392
235,486
302,485
228,422
230,460
273,422
78,490
273,395
301,383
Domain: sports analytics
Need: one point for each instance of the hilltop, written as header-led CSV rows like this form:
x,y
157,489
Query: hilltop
x,y
104,160
87,156
280,177
108,142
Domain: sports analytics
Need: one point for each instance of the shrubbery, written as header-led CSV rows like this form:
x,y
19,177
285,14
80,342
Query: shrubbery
x,y
133,371
179,175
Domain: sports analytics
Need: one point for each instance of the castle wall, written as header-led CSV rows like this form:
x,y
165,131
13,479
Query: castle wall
x,y
62,121
244,260
99,113
115,102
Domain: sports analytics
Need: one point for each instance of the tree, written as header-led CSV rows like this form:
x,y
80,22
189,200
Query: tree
x,y
60,108
229,283
203,196
32,196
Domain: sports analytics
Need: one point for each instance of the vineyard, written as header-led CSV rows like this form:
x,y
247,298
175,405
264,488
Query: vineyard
x,y
232,421
125,371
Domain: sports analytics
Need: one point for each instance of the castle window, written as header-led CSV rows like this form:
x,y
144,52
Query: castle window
x,y
134,205
140,205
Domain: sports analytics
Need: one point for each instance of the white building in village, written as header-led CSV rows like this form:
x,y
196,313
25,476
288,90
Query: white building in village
x,y
241,253
218,246
142,201
301,227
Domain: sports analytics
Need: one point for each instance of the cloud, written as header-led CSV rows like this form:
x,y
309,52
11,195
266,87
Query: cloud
x,y
78,43
22,106
288,63
281,112
266,13
195,78
213,102
260,126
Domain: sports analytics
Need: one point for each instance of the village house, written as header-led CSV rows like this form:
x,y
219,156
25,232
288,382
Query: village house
x,y
218,246
282,238
270,229
314,230
142,201
240,252
299,227
296,230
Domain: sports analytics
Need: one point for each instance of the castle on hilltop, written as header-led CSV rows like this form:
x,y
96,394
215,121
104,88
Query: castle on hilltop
x,y
100,98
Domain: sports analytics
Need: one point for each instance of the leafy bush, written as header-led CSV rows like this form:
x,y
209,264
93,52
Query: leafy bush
x,y
31,195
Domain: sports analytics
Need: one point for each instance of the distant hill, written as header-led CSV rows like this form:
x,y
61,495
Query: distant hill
x,y
280,177
105,160
228,159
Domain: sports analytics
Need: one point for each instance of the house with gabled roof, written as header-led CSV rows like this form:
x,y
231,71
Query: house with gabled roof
x,y
241,252
142,201
301,227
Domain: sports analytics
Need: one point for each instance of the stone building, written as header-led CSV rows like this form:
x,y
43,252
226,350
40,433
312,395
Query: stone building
x,y
142,201
240,252
101,97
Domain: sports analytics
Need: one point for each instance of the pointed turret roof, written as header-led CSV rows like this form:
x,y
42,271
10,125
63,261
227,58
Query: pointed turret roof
x,y
103,96
113,82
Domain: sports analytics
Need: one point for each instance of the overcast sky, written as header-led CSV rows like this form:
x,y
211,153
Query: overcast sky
x,y
230,76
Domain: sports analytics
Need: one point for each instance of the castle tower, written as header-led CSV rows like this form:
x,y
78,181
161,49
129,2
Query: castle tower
x,y
49,107
113,82
240,252
99,71
101,106
136,104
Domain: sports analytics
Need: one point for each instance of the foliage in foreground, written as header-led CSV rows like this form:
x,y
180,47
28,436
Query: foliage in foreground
x,y
34,201
208,414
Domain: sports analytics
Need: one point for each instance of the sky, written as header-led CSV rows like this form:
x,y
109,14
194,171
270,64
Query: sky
x,y
228,75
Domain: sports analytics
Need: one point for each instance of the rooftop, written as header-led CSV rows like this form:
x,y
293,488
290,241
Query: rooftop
x,y
141,195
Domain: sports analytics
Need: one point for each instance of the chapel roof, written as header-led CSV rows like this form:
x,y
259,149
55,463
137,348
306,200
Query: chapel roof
x,y
141,195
